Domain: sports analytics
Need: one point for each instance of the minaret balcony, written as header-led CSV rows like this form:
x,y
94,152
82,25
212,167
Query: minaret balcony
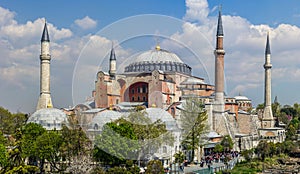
x,y
220,51
267,66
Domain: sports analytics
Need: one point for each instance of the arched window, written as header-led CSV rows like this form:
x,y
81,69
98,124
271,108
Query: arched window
x,y
172,111
96,127
164,149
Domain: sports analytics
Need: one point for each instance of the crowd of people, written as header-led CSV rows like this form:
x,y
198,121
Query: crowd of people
x,y
214,157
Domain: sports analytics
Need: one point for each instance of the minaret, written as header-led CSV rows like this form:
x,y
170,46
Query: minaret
x,y
219,73
45,57
112,64
267,119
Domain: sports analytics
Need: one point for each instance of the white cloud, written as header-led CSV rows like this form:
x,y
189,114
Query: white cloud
x,y
86,23
6,17
244,44
197,10
20,35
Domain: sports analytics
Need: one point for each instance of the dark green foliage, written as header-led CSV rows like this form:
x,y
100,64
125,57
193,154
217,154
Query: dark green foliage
x,y
15,161
227,143
179,157
194,119
3,155
219,148
247,167
248,154
9,122
288,110
30,132
292,128
113,148
130,138
48,148
155,167
263,150
260,106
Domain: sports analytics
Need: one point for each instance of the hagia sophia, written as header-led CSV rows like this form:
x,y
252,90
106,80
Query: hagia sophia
x,y
161,82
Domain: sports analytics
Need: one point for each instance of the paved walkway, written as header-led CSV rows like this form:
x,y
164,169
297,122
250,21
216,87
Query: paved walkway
x,y
202,170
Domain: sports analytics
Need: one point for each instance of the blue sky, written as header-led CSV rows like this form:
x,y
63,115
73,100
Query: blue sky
x,y
82,32
62,13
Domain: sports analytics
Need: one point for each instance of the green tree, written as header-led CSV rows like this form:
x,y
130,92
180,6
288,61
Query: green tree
x,y
247,154
276,109
219,148
3,156
227,143
150,135
179,157
9,122
297,108
262,150
76,148
273,149
292,129
30,132
116,143
48,148
289,110
15,161
194,124
155,167
260,106
284,118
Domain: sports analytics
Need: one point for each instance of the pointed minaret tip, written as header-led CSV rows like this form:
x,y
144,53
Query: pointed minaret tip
x,y
45,35
220,26
268,50
112,53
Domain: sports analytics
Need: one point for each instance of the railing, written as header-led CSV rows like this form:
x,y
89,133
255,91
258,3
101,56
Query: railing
x,y
230,165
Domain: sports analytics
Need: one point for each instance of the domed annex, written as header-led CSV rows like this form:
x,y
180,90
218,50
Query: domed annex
x,y
102,118
49,118
158,59
243,102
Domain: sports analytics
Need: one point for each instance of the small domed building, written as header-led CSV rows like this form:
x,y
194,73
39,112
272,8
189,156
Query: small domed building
x,y
244,103
154,114
49,118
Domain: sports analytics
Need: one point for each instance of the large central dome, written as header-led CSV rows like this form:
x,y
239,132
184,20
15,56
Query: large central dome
x,y
158,59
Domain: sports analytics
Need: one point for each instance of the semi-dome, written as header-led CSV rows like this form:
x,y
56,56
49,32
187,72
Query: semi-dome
x,y
49,118
158,59
154,114
240,97
104,117
159,114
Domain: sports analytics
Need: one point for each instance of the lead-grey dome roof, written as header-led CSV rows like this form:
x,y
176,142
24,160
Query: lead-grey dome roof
x,y
158,59
159,114
104,117
49,118
158,55
154,114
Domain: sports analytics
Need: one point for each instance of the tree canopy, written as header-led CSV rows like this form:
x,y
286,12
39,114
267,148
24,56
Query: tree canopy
x,y
194,123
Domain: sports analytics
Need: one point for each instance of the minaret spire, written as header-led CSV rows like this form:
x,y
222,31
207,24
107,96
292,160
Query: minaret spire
x,y
45,35
112,52
219,105
112,63
267,120
45,57
220,26
268,50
